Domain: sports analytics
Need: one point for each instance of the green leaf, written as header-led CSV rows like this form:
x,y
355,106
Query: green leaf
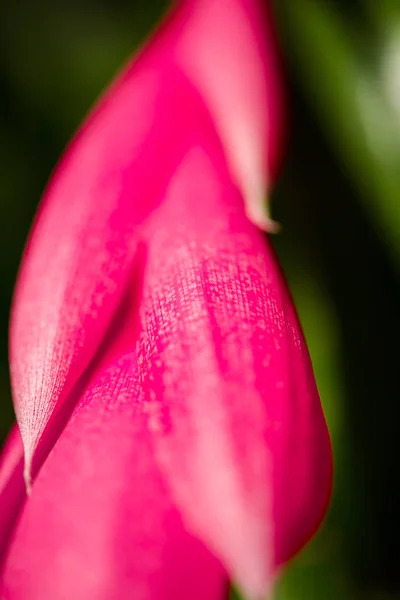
x,y
351,73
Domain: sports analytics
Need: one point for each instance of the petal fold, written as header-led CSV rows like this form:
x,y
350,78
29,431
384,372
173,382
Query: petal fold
x,y
80,256
99,522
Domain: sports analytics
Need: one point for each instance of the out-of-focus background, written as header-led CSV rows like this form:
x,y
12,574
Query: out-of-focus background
x,y
338,200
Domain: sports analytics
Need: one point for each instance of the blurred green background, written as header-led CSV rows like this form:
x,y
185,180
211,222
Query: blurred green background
x,y
338,200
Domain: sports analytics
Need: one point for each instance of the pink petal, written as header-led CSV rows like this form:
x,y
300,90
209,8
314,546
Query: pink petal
x,y
12,490
10,457
228,50
233,407
80,254
82,249
99,523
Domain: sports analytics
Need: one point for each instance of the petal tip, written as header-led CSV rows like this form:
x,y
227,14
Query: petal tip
x,y
258,214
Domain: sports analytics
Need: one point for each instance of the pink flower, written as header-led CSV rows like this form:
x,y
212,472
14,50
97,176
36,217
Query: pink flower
x,y
171,427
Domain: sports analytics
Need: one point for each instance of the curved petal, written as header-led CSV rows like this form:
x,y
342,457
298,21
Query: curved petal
x,y
235,413
99,522
80,255
228,50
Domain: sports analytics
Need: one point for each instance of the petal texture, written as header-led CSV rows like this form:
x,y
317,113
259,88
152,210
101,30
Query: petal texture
x,y
81,253
234,410
99,522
